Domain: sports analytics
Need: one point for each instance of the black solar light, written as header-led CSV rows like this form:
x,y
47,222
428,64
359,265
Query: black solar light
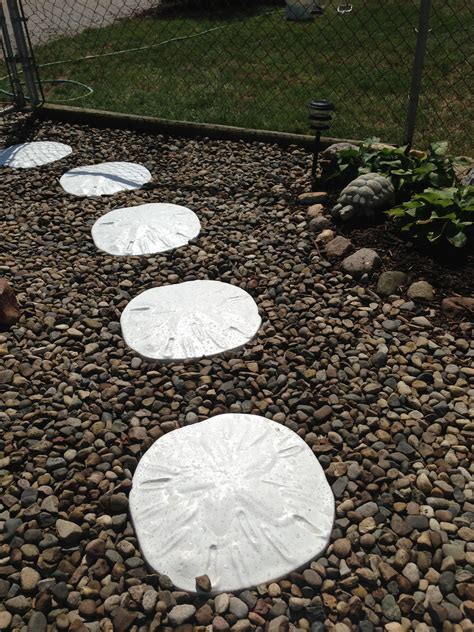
x,y
320,118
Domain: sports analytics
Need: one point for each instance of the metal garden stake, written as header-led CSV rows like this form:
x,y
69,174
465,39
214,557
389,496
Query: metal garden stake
x,y
320,117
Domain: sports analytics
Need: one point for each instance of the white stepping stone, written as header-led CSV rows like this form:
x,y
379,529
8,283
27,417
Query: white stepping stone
x,y
237,497
105,178
145,229
35,154
189,320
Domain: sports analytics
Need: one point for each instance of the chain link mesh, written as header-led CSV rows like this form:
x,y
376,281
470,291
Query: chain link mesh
x,y
244,63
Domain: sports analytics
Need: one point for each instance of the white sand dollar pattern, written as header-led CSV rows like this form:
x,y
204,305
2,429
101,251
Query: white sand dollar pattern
x,y
237,497
34,154
189,320
105,178
145,229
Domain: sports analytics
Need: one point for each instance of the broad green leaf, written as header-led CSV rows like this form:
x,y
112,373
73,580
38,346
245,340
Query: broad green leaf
x,y
440,148
459,239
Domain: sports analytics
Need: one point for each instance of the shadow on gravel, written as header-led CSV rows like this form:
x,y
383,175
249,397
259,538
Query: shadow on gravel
x,y
22,131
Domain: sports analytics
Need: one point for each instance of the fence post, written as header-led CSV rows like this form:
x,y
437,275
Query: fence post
x,y
18,96
417,72
17,20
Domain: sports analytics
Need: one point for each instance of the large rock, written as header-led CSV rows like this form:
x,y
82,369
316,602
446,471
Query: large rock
x,y
5,619
331,152
312,197
338,247
279,624
363,261
9,308
37,622
326,235
421,290
203,583
29,579
315,210
317,224
456,306
69,533
390,281
182,613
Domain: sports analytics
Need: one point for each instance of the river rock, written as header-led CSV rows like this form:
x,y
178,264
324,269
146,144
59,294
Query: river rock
x,y
338,247
363,261
390,281
421,290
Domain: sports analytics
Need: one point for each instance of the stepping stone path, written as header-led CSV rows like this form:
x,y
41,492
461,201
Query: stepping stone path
x,y
35,154
145,229
237,497
189,320
236,500
105,178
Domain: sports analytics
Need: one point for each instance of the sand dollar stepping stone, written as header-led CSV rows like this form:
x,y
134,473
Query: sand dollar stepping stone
x,y
189,320
239,498
105,178
145,229
35,154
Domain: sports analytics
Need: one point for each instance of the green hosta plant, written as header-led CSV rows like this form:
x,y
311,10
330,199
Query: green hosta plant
x,y
437,215
410,171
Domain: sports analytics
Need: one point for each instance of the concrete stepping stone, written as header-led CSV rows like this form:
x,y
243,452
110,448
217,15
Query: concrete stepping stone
x,y
34,154
105,178
145,229
189,320
238,498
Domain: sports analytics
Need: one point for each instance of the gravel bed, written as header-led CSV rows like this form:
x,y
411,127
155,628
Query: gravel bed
x,y
380,393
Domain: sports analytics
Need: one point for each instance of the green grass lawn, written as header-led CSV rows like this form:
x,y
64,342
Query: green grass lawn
x,y
261,70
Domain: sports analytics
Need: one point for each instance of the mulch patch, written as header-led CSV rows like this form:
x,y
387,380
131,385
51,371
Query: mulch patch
x,y
449,270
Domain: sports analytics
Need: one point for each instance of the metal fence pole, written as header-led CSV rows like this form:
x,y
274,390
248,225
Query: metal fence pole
x,y
18,97
25,58
417,72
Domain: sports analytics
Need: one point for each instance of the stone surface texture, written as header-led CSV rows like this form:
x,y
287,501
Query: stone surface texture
x,y
105,178
338,247
390,281
237,496
363,261
145,229
421,290
34,154
189,320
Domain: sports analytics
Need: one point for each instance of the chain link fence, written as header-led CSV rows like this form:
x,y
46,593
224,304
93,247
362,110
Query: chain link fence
x,y
257,63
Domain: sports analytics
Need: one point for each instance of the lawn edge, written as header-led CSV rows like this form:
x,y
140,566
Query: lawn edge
x,y
105,118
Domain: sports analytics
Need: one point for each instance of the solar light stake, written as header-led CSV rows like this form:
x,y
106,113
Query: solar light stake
x,y
320,117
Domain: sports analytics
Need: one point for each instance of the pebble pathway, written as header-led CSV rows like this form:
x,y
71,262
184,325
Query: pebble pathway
x,y
381,396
